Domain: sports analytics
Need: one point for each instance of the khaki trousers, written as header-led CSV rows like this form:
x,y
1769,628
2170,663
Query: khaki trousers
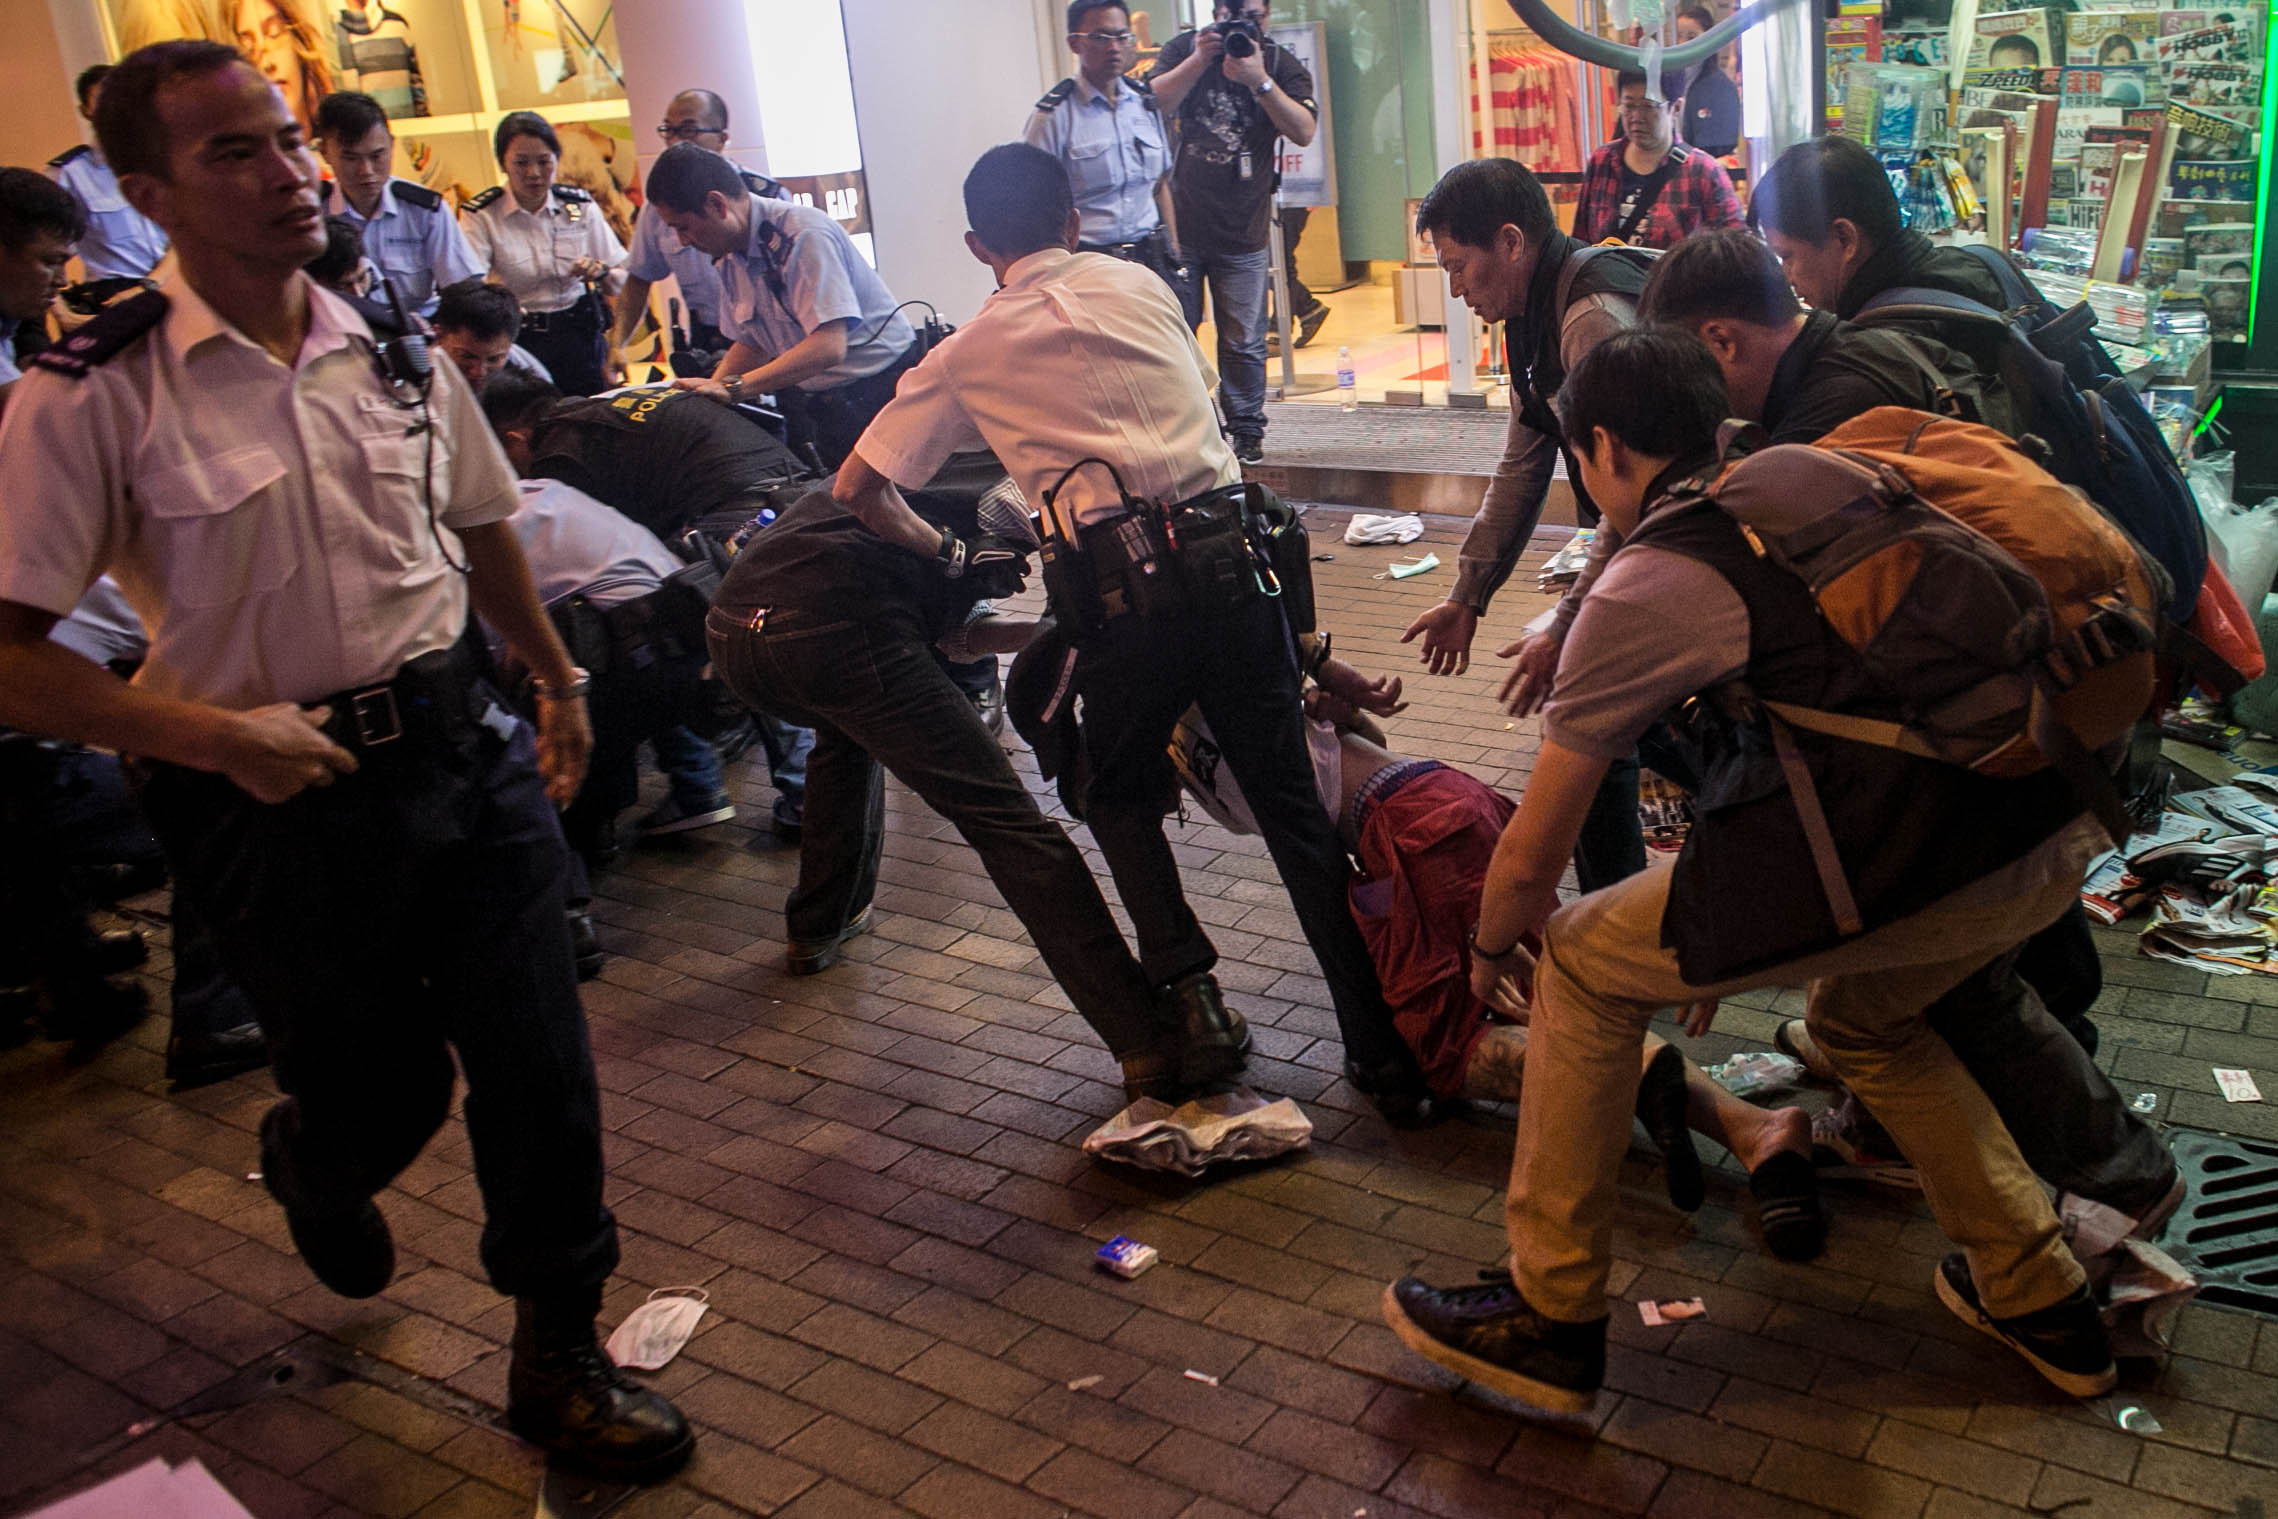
x,y
1603,976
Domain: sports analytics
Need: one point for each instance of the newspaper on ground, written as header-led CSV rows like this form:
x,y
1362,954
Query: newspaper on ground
x,y
1202,1132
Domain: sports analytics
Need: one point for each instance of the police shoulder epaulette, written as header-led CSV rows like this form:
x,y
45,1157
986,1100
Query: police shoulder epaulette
x,y
763,187
69,156
111,333
1056,96
570,194
1145,92
483,200
418,195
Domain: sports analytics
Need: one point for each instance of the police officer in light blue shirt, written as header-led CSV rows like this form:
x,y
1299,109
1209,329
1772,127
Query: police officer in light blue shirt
x,y
1107,133
700,117
121,242
409,232
812,321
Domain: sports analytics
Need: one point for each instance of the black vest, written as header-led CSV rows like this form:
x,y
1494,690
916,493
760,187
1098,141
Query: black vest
x,y
1746,894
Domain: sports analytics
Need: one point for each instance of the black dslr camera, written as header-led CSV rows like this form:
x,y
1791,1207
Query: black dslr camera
x,y
1240,36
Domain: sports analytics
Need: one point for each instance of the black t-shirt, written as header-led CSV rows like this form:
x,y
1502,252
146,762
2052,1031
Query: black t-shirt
x,y
1712,111
820,558
663,457
1221,125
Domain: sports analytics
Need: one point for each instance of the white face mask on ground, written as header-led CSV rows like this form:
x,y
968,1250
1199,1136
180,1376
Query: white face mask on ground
x,y
654,1333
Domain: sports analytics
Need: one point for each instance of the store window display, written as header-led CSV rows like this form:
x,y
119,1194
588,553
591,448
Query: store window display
x,y
289,41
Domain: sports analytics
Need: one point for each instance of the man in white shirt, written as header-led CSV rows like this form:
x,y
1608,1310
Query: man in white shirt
x,y
39,224
1081,358
304,531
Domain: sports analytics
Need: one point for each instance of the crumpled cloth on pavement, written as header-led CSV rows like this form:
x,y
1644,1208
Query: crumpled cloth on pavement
x,y
1201,1132
1371,527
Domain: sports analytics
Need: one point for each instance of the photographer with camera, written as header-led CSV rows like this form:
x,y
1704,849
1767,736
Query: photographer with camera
x,y
1108,133
1234,95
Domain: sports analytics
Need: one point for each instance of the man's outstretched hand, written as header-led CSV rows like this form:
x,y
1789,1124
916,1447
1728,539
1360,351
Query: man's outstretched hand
x,y
1447,630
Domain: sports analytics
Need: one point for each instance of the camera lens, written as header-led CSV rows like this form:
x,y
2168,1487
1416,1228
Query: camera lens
x,y
1239,45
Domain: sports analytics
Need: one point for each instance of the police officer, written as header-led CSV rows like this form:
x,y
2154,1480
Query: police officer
x,y
409,234
810,318
303,523
1106,130
121,243
39,224
1082,358
700,117
550,245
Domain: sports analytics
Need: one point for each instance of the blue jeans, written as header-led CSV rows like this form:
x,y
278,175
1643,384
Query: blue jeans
x,y
1237,283
692,770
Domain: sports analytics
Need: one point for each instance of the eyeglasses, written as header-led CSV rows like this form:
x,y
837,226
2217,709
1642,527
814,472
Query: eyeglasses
x,y
684,131
1104,39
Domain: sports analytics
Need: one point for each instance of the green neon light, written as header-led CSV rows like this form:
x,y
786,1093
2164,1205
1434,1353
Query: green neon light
x,y
2262,191
2213,412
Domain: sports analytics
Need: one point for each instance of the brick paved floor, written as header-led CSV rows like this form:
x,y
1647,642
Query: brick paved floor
x,y
876,1174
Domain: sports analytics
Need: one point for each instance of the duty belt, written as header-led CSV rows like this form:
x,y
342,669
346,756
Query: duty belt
x,y
431,697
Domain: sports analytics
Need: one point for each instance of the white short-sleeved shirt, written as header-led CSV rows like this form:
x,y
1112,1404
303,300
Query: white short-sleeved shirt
x,y
1079,354
800,272
268,522
8,367
416,244
658,251
577,544
530,253
121,242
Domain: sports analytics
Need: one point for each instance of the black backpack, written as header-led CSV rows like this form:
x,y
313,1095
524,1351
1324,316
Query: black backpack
x,y
2065,391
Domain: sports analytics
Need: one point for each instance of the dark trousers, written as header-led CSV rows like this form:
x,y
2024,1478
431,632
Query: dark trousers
x,y
871,689
649,692
571,343
380,925
1301,299
2070,1123
1237,663
1150,252
834,419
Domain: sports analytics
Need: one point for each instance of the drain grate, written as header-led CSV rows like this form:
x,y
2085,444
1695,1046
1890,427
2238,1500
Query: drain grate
x,y
2227,1229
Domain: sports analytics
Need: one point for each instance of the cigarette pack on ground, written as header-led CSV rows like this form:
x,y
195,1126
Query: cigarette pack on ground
x,y
1126,1257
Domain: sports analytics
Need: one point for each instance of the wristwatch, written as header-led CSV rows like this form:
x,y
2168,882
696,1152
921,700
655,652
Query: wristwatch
x,y
1484,953
579,683
1265,88
735,387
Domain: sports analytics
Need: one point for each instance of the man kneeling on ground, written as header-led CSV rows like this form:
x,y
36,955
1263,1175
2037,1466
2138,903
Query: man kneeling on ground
x,y
1684,609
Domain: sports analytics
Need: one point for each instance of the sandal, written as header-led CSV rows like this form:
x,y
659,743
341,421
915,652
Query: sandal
x,y
1794,1040
1787,1206
1661,1108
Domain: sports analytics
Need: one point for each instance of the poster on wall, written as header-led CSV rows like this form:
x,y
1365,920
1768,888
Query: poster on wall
x,y
407,54
1308,174
553,52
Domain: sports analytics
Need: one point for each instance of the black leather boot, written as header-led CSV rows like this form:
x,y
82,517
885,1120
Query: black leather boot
x,y
565,1396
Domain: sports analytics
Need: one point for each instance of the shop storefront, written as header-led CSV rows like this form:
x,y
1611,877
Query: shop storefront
x,y
875,107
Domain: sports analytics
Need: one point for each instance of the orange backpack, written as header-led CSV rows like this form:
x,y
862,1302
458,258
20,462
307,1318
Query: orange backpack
x,y
2010,621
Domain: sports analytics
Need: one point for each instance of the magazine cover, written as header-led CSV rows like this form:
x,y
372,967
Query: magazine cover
x,y
2227,301
2102,39
2215,84
2117,87
2203,134
2217,238
2212,178
2031,39
2233,42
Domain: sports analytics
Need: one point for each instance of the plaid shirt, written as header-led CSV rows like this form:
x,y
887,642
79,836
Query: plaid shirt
x,y
1698,194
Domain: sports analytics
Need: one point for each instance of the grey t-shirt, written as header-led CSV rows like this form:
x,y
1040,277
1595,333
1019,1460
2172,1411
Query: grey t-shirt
x,y
1656,628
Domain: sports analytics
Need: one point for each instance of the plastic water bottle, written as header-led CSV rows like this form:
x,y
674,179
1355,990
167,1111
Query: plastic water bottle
x,y
1348,392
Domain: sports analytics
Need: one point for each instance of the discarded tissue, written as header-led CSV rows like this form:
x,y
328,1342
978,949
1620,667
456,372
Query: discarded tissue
x,y
1235,1125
